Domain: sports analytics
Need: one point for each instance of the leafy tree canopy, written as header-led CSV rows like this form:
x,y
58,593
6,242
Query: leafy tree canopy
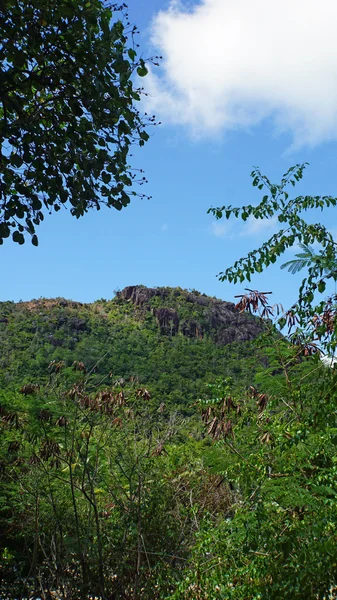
x,y
68,113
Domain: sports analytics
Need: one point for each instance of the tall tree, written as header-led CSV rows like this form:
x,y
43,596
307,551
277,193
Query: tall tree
x,y
68,114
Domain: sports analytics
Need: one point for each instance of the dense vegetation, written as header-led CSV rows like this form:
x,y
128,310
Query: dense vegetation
x,y
104,465
141,457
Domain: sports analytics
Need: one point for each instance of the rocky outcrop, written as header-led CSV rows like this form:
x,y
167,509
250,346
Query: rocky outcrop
x,y
167,319
209,316
191,328
230,325
139,294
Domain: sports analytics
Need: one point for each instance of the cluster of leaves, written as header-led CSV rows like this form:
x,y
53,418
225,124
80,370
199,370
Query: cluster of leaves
x,y
68,114
303,260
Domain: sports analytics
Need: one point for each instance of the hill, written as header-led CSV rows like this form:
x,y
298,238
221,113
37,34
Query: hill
x,y
174,339
106,470
158,446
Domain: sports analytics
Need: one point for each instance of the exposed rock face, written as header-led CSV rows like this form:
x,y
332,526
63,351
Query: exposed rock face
x,y
168,320
191,329
138,294
217,318
230,325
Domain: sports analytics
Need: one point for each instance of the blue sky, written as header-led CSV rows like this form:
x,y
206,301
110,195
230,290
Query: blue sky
x,y
223,110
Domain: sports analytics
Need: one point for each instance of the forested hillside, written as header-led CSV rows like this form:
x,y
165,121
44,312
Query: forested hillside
x,y
169,338
156,445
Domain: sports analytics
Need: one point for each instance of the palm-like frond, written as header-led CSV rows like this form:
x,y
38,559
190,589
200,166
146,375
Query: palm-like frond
x,y
308,257
302,260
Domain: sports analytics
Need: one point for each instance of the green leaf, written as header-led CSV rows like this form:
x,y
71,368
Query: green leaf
x,y
36,204
106,177
132,54
16,160
142,71
18,237
4,230
321,286
144,136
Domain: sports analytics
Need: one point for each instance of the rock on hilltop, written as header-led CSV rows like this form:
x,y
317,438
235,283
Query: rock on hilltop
x,y
192,314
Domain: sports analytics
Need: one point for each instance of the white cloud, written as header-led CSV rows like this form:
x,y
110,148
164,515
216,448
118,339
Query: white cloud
x,y
251,228
256,227
221,229
164,227
229,64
